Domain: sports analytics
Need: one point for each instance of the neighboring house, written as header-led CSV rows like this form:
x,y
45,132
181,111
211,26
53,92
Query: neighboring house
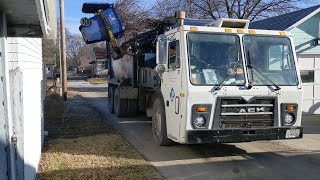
x,y
304,26
23,23
84,61
85,66
99,63
49,56
50,71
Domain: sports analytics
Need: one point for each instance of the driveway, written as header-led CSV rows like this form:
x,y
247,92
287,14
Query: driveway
x,y
290,159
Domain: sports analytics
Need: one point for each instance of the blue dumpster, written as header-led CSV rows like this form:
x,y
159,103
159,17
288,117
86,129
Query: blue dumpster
x,y
96,31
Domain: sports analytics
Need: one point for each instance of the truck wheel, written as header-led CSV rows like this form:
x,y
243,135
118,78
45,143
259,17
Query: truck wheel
x,y
111,90
159,127
120,105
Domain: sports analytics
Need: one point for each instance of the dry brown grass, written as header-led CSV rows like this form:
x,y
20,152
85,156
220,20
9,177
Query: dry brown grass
x,y
82,146
53,107
50,82
97,80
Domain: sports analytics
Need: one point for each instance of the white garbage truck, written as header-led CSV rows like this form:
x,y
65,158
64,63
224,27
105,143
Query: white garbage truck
x,y
203,81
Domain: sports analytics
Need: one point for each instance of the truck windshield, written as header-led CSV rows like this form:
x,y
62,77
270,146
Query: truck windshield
x,y
273,57
215,59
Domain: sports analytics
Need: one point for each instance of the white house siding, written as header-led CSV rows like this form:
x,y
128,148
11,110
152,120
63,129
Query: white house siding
x,y
311,91
3,113
24,56
305,34
309,60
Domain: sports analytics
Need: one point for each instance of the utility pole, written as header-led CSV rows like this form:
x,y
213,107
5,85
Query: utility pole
x,y
63,74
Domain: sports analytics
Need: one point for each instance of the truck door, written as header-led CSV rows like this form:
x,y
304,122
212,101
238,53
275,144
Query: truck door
x,y
171,89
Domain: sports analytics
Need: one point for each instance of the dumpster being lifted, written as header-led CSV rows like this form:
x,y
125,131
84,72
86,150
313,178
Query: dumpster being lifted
x,y
94,29
201,81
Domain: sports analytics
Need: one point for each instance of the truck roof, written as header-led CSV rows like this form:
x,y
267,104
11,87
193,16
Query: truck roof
x,y
223,25
229,30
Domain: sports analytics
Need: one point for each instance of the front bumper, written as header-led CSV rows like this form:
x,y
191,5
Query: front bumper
x,y
239,135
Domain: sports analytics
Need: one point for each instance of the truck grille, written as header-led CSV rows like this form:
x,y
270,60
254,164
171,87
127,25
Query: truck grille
x,y
258,112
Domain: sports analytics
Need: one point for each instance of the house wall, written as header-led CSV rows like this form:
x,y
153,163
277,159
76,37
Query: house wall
x,y
22,88
4,165
305,34
101,67
84,64
311,90
24,59
308,53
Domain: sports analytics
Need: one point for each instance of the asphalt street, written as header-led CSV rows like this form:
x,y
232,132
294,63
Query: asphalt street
x,y
287,159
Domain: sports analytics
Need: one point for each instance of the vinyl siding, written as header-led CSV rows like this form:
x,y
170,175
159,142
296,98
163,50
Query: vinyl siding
x,y
311,91
25,55
309,59
304,36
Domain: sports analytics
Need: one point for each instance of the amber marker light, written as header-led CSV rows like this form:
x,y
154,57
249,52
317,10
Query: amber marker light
x,y
227,30
201,109
239,31
193,28
282,33
291,108
252,31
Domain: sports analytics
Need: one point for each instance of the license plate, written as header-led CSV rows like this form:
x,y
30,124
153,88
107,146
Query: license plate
x,y
292,133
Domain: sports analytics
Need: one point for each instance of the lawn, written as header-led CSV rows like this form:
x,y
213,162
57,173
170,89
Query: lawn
x,y
81,146
97,80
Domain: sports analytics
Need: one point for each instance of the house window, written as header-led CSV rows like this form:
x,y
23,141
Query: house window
x,y
307,76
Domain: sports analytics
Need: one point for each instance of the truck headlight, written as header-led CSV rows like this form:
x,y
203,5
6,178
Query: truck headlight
x,y
289,118
200,116
289,114
199,121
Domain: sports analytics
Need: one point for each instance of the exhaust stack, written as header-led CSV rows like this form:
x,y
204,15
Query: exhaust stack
x,y
180,16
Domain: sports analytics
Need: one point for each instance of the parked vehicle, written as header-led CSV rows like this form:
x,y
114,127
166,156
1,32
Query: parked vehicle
x,y
208,82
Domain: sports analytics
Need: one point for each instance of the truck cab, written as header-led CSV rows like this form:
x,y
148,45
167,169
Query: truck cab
x,y
224,82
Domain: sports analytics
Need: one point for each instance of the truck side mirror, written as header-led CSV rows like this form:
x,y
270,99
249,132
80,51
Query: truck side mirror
x,y
160,68
162,53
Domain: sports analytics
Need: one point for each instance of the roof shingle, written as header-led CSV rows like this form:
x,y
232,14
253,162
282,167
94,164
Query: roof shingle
x,y
284,21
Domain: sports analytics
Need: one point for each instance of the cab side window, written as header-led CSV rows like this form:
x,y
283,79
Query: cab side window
x,y
174,55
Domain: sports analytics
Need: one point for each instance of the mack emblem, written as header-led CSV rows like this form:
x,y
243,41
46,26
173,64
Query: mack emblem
x,y
252,110
172,94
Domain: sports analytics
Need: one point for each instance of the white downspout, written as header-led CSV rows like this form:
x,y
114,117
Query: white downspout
x,y
42,17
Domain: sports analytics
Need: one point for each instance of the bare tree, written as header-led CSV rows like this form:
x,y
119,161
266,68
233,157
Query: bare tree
x,y
240,9
167,8
49,51
134,15
73,43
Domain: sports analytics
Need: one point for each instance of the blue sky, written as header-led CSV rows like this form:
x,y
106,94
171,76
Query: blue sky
x,y
73,12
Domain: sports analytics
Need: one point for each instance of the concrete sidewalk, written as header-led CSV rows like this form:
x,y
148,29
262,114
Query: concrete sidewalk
x,y
311,137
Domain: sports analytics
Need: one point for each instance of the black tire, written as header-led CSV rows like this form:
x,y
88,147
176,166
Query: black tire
x,y
159,126
120,105
111,90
